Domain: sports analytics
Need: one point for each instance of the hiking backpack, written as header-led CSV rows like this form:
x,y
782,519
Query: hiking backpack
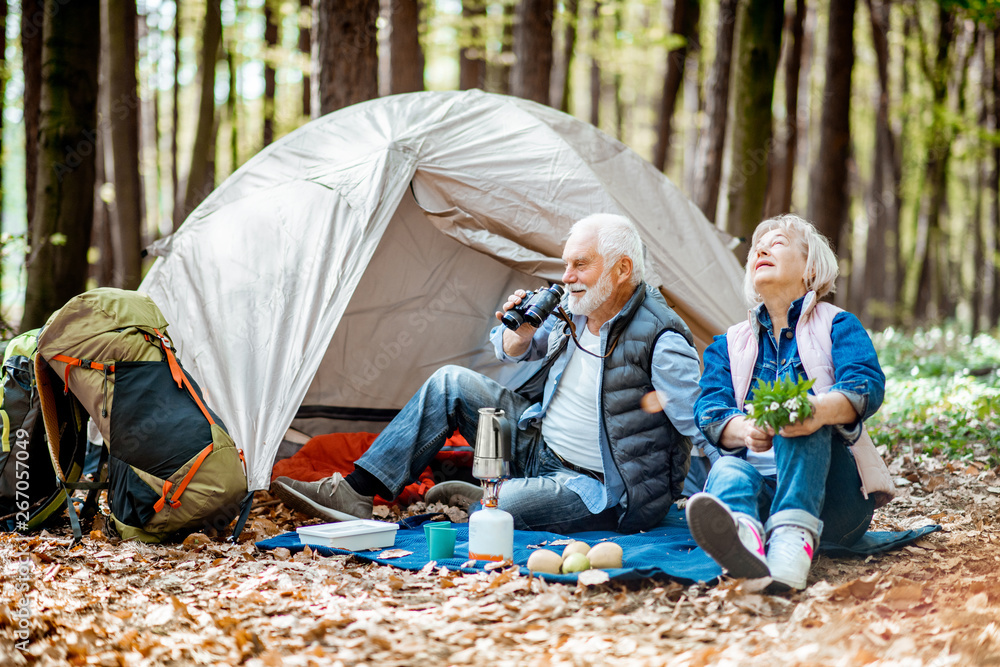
x,y
172,464
30,493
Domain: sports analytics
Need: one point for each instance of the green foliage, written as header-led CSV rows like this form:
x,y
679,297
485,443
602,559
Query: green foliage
x,y
779,403
942,394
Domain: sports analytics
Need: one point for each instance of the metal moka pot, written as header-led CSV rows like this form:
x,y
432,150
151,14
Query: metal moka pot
x,y
491,459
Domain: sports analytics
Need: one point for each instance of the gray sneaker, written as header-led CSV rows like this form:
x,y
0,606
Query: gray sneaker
x,y
454,492
331,499
733,541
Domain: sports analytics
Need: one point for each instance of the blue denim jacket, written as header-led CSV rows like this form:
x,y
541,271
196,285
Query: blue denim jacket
x,y
857,372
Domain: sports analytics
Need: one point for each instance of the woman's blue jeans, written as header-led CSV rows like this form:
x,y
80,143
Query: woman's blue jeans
x,y
817,488
450,400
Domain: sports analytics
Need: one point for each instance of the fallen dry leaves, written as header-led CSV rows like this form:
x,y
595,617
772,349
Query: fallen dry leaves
x,y
208,602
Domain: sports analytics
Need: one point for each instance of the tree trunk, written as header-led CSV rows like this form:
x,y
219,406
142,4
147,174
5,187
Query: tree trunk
x,y
532,50
121,159
563,71
506,49
708,161
685,24
758,48
272,19
177,214
979,238
472,55
64,206
782,166
305,46
3,90
994,306
201,175
595,66
32,24
102,271
930,235
874,280
346,52
232,107
616,83
406,57
828,196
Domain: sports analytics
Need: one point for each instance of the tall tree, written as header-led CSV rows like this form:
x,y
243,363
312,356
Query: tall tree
x,y
472,54
406,57
532,50
121,160
595,65
201,175
32,25
828,196
708,160
177,213
272,19
346,52
685,25
874,280
994,306
232,106
925,266
779,191
3,90
758,45
562,71
983,269
64,206
506,48
305,46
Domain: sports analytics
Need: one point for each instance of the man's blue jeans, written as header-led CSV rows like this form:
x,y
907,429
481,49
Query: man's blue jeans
x,y
450,400
817,488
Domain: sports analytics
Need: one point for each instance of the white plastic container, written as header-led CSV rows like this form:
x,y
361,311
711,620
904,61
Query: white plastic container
x,y
352,535
491,535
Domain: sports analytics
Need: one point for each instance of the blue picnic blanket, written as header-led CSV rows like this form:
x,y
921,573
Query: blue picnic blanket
x,y
667,551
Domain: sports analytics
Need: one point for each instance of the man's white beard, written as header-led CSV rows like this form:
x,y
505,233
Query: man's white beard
x,y
593,297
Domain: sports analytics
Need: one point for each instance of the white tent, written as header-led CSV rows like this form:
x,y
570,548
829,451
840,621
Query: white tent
x,y
346,262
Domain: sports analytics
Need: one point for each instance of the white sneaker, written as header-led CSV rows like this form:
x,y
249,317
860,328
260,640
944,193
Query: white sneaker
x,y
732,541
789,556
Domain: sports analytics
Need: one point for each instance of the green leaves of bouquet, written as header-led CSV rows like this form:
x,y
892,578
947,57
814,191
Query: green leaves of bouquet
x,y
780,403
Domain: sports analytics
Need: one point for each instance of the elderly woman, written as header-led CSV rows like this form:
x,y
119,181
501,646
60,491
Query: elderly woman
x,y
818,477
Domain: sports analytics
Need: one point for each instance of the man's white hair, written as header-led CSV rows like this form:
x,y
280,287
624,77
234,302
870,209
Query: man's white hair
x,y
821,262
617,237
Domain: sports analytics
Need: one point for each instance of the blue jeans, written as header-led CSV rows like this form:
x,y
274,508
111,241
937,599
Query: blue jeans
x,y
450,400
811,470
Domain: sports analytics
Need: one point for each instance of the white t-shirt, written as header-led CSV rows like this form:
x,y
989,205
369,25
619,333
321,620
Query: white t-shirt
x,y
570,425
763,461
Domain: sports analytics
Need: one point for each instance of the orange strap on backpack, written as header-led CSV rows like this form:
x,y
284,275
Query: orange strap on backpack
x,y
175,501
178,375
83,363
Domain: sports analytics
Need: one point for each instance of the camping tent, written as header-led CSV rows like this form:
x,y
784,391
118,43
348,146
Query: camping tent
x,y
342,265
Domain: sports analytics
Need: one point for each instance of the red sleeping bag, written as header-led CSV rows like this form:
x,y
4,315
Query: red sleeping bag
x,y
324,455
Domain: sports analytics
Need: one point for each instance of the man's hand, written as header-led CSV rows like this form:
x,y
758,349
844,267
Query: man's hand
x,y
515,343
741,432
830,408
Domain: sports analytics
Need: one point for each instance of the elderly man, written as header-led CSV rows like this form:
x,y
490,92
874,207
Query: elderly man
x,y
604,429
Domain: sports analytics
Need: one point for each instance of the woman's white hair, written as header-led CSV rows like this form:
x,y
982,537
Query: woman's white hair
x,y
617,237
821,262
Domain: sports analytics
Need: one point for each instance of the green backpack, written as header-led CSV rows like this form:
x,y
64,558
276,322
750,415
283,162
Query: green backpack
x,y
30,493
173,466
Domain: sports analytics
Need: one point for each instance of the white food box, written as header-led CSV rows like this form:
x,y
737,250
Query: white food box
x,y
352,535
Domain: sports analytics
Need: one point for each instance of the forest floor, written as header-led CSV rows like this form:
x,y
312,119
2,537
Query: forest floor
x,y
208,602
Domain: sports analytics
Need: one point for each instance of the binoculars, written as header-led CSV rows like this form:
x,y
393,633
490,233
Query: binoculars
x,y
534,307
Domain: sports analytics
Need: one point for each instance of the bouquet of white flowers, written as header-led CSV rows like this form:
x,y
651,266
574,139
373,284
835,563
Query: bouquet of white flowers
x,y
780,403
